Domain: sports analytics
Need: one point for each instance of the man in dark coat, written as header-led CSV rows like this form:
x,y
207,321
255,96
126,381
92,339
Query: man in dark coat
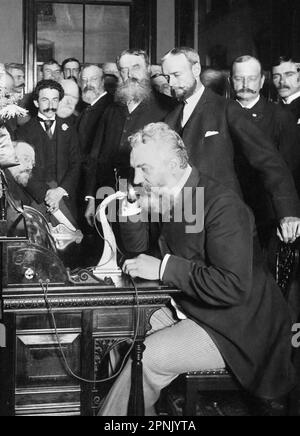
x,y
134,107
208,123
97,100
230,311
276,124
55,143
286,78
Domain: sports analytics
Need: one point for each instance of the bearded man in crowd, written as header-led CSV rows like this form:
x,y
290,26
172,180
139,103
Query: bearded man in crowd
x,y
135,106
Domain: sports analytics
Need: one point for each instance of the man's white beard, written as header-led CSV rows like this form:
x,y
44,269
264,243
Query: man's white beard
x,y
133,90
157,201
89,96
65,111
22,178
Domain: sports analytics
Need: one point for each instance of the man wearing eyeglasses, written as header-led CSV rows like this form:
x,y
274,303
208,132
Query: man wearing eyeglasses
x,y
71,68
208,123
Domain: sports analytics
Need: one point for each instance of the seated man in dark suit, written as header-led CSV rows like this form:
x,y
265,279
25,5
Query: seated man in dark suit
x,y
56,173
230,311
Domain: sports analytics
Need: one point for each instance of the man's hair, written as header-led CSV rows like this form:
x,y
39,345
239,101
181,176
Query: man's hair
x,y
14,66
246,58
66,61
134,52
85,66
51,62
48,84
163,133
191,54
285,58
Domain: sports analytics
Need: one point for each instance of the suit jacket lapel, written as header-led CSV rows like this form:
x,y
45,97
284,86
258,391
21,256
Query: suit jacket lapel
x,y
194,123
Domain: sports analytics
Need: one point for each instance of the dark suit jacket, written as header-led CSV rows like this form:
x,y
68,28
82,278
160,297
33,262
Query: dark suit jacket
x,y
225,288
214,155
68,160
88,123
111,148
294,108
279,127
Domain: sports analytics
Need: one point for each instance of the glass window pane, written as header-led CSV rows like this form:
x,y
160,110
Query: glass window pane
x,y
107,32
59,31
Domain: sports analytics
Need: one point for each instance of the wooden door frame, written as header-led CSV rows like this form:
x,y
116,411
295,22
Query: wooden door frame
x,y
143,30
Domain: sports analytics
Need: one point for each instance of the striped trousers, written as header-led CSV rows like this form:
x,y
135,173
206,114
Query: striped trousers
x,y
173,347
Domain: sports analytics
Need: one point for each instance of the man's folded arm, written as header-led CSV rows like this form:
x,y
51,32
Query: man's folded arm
x,y
265,158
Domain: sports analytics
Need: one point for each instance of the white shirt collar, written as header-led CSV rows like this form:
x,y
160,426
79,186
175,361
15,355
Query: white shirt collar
x,y
132,105
190,105
97,99
249,105
175,191
291,98
43,117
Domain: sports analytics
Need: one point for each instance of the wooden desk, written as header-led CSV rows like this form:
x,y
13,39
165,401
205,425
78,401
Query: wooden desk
x,y
33,377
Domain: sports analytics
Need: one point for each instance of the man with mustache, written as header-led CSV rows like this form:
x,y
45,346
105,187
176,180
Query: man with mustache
x,y
247,78
55,141
96,100
286,79
135,106
208,123
71,68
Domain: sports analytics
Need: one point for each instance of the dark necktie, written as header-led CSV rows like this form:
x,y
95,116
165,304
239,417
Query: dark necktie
x,y
179,122
48,124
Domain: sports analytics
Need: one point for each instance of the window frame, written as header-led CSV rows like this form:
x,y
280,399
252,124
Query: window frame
x,y
142,29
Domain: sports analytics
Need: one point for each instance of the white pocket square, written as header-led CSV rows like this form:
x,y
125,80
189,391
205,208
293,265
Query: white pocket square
x,y
208,134
298,122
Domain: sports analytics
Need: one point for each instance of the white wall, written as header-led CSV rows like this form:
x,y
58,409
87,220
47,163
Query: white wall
x,y
165,27
11,31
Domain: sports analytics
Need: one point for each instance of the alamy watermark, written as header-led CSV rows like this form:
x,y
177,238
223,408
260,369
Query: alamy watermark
x,y
296,336
156,206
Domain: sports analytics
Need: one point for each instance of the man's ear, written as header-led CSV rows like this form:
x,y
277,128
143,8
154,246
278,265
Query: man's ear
x,y
173,165
263,79
35,103
196,68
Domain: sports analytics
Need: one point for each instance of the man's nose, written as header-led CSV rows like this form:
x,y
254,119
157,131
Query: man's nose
x,y
283,80
138,177
172,81
245,82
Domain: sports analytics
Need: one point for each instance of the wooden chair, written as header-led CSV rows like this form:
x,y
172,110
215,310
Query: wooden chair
x,y
287,262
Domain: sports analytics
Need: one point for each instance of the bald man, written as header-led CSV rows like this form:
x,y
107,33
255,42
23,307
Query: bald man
x,y
67,106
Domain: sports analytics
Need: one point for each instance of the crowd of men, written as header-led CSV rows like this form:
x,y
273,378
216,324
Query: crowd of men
x,y
159,126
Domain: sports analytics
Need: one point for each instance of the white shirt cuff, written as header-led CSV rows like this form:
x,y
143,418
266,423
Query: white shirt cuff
x,y
163,266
